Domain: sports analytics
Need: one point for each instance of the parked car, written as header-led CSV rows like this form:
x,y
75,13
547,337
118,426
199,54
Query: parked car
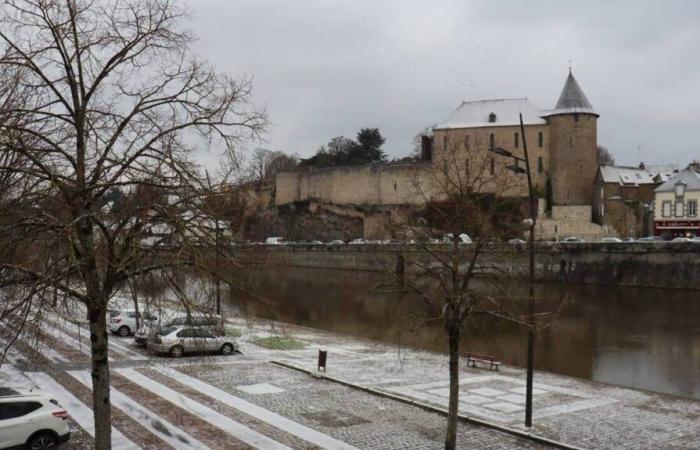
x,y
516,241
651,239
123,321
177,341
31,420
681,239
463,238
336,242
212,323
573,239
357,242
315,242
611,239
275,240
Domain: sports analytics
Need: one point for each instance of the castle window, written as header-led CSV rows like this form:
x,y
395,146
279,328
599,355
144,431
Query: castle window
x,y
666,208
492,168
540,139
394,186
692,208
466,141
540,167
516,139
492,141
444,143
492,117
575,117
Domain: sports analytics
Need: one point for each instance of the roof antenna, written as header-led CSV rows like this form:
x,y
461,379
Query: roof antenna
x,y
570,64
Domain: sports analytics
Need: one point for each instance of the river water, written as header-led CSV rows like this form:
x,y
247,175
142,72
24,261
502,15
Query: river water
x,y
640,338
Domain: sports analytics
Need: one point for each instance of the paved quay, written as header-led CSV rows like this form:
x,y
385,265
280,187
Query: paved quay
x,y
573,411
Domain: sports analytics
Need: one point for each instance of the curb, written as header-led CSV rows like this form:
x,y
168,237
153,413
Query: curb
x,y
409,401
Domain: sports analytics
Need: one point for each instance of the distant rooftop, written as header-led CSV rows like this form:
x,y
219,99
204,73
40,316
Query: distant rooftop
x,y
634,176
489,113
690,176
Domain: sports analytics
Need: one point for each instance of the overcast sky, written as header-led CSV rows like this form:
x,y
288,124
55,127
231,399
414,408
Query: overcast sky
x,y
327,68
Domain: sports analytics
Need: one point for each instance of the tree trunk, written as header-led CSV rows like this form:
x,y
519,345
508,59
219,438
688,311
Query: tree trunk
x,y
453,410
100,378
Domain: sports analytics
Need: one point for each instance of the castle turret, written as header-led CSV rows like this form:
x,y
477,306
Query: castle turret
x,y
573,146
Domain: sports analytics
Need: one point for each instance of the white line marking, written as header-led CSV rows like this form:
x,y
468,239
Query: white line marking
x,y
238,430
168,432
51,354
79,411
274,419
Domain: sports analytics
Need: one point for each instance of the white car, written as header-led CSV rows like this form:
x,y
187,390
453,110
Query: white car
x,y
176,341
682,239
357,242
123,321
213,323
463,238
276,240
611,239
31,420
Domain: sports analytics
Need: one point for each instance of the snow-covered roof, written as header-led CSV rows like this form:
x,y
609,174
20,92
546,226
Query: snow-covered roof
x,y
477,114
662,172
690,176
625,176
572,99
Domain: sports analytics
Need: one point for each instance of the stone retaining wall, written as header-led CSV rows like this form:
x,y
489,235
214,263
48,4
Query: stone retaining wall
x,y
662,265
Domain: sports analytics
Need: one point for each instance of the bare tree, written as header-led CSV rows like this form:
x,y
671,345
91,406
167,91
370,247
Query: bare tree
x,y
107,94
265,164
605,156
471,203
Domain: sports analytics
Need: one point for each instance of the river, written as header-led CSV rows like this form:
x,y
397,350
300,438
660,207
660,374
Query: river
x,y
641,338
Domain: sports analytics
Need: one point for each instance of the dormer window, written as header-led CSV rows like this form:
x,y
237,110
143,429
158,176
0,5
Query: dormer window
x,y
492,117
680,189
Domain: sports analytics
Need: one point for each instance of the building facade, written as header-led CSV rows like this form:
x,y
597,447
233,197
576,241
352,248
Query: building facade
x,y
676,204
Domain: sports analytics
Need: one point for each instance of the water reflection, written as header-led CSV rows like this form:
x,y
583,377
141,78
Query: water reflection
x,y
642,338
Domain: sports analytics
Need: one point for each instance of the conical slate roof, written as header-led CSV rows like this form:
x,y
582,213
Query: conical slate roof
x,y
572,100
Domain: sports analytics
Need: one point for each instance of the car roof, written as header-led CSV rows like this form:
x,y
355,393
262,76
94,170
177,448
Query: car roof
x,y
8,393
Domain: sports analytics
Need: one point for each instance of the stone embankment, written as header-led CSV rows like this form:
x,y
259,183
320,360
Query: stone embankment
x,y
661,265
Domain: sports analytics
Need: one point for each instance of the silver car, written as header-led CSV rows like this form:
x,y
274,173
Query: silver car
x,y
176,341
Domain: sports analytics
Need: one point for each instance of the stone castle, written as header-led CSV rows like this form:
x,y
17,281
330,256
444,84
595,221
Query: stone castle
x,y
562,148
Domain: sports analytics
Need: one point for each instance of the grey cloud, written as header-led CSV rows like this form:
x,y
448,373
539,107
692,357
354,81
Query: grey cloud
x,y
326,68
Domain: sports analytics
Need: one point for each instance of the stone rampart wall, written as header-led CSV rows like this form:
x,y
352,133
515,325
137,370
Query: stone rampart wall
x,y
660,265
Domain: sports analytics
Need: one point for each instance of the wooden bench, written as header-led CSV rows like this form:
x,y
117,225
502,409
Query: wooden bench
x,y
473,358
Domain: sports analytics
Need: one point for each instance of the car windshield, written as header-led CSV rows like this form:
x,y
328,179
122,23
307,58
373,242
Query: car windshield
x,y
167,330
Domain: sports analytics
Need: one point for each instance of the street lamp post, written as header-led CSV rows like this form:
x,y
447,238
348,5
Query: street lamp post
x,y
531,277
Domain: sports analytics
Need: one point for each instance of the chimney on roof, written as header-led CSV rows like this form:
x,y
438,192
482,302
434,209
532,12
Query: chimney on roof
x,y
426,147
642,166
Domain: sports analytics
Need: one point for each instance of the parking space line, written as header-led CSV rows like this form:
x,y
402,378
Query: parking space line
x,y
157,425
79,411
253,410
230,426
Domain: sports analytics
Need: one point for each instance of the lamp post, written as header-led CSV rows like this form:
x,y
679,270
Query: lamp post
x,y
530,223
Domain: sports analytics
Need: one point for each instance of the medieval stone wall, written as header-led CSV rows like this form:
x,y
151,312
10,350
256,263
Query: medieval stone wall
x,y
370,184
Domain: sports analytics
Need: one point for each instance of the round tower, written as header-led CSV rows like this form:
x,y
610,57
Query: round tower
x,y
573,146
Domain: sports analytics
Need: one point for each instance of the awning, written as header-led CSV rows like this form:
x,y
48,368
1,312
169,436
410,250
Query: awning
x,y
689,227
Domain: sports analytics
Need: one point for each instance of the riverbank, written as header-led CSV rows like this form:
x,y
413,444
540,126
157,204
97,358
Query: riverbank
x,y
569,410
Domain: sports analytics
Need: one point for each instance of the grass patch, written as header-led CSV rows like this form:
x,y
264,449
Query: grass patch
x,y
279,343
233,331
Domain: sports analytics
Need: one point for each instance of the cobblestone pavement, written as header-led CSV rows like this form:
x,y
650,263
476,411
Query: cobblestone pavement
x,y
239,401
566,409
